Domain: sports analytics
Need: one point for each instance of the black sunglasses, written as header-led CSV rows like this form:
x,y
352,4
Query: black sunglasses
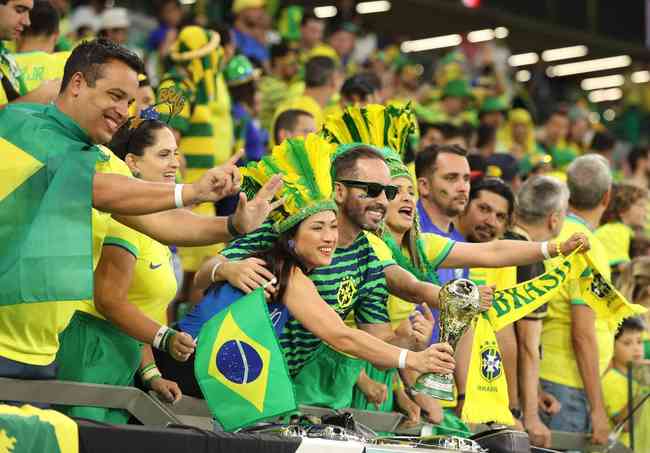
x,y
373,189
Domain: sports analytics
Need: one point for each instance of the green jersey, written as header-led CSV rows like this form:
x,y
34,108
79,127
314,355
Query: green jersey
x,y
353,281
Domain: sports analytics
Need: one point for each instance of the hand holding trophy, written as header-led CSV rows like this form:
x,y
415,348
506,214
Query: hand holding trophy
x,y
459,304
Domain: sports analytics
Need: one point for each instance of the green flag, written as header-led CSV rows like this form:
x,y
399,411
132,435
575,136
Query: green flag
x,y
28,429
46,173
239,364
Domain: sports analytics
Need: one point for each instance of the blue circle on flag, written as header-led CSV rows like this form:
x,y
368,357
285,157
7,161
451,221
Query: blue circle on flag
x,y
239,362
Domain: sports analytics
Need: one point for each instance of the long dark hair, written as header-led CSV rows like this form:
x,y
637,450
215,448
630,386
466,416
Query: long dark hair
x,y
281,259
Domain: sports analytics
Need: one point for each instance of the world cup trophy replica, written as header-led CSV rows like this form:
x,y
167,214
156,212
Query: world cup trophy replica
x,y
459,304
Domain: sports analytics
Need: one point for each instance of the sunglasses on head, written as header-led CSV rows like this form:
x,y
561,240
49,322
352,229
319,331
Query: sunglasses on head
x,y
373,189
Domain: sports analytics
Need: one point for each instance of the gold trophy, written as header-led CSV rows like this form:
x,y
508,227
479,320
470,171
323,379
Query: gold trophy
x,y
459,304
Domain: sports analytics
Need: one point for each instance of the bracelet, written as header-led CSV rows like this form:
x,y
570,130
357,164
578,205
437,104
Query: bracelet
x,y
401,364
558,248
231,227
214,270
157,339
544,249
166,341
178,195
149,373
460,397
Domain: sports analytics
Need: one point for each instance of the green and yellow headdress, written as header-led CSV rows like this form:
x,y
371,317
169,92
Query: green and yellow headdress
x,y
307,184
375,125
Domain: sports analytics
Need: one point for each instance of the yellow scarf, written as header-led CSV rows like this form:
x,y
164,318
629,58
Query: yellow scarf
x,y
487,390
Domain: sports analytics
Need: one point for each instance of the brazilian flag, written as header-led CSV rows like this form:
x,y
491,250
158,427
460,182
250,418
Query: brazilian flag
x,y
28,429
239,364
46,173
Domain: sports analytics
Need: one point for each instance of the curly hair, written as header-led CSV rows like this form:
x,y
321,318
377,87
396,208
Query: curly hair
x,y
624,195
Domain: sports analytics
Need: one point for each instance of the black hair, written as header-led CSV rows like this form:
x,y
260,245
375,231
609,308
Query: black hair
x,y
280,50
426,159
224,33
307,16
345,165
244,92
635,155
496,186
287,120
360,86
603,141
633,324
89,57
281,259
44,20
319,71
486,134
425,126
129,140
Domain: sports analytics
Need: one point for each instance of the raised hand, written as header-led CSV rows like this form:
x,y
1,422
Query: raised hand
x,y
219,182
575,241
250,215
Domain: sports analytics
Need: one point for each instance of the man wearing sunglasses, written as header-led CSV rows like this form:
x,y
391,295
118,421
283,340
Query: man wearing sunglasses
x,y
358,280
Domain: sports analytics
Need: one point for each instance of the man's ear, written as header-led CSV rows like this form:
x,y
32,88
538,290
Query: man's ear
x,y
423,187
608,195
77,82
339,193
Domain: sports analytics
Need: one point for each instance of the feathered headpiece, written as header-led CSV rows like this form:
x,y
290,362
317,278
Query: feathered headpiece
x,y
375,125
305,171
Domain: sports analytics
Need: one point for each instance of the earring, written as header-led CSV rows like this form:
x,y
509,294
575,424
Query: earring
x,y
135,173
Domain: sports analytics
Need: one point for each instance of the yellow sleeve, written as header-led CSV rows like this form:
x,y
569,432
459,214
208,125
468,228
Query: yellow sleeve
x,y
616,238
436,248
614,392
110,163
122,236
380,248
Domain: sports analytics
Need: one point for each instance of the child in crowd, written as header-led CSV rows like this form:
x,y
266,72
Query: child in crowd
x,y
628,348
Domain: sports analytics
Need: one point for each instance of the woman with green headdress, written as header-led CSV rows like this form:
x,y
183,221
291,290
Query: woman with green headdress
x,y
307,227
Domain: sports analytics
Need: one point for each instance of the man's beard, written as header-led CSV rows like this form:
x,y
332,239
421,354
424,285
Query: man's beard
x,y
358,217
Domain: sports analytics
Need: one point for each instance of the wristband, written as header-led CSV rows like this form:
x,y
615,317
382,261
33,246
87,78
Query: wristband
x,y
149,373
402,359
167,339
231,228
544,249
214,270
178,195
157,339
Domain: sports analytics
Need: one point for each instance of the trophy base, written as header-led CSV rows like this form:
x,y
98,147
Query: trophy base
x,y
440,387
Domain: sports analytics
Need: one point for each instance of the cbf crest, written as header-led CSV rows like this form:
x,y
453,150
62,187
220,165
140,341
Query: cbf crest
x,y
600,287
346,294
491,367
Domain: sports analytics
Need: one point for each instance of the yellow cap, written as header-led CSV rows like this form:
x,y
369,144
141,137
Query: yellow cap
x,y
240,5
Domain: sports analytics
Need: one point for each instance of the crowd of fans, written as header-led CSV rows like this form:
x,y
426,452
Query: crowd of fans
x,y
485,163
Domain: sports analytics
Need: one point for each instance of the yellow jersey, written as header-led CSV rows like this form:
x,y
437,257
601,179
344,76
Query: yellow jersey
x,y
616,238
38,67
615,394
558,362
35,339
153,285
436,249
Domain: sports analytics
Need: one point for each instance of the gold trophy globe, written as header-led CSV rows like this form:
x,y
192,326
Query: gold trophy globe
x,y
459,304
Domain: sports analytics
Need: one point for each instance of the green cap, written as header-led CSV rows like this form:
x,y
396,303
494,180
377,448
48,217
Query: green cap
x,y
458,88
494,104
239,70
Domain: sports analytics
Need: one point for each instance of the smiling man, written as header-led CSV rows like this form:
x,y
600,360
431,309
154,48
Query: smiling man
x,y
57,174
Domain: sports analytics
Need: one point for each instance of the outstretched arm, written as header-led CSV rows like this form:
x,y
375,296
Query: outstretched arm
x,y
508,253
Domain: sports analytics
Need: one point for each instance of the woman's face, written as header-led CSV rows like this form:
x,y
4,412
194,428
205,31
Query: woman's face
x,y
315,240
401,210
159,163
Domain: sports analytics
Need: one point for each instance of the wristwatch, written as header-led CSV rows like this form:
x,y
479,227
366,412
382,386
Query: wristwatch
x,y
516,412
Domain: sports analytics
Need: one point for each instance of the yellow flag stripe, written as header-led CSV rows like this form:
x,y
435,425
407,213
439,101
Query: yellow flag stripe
x,y
16,167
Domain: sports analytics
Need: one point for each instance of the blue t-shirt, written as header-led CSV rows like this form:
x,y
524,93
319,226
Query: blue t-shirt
x,y
219,297
251,47
447,274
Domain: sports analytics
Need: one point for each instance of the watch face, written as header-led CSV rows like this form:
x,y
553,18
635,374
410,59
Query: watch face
x,y
516,413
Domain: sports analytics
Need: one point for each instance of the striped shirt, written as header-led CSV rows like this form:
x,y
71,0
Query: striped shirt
x,y
353,281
